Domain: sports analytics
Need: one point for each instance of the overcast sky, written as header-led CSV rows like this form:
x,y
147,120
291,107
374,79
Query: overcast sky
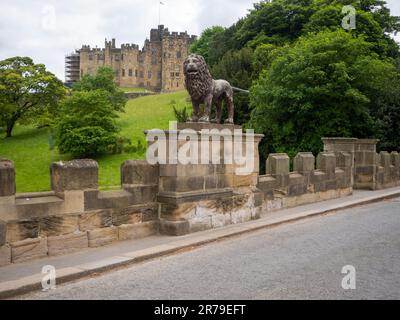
x,y
48,29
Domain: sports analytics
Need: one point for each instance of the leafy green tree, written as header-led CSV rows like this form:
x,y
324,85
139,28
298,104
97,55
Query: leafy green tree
x,y
87,126
236,66
202,45
27,92
103,80
319,87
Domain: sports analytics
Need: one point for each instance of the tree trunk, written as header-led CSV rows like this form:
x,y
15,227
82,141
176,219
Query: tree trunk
x,y
10,126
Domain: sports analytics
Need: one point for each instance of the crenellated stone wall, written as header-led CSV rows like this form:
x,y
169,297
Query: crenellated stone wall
x,y
177,199
75,215
371,171
327,177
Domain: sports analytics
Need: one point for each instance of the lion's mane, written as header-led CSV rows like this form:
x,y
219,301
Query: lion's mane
x,y
199,85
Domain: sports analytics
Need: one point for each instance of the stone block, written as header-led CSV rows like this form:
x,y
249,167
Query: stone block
x,y
182,184
277,164
74,175
7,178
297,190
266,183
129,215
28,249
343,160
102,237
136,172
385,159
245,181
95,219
304,162
67,243
179,170
220,220
138,230
58,225
21,230
326,161
318,176
200,224
143,194
241,215
5,255
174,228
3,233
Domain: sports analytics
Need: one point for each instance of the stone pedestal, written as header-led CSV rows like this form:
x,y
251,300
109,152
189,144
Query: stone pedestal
x,y
202,180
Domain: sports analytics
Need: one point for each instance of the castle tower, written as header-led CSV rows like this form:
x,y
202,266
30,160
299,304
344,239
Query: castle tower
x,y
158,66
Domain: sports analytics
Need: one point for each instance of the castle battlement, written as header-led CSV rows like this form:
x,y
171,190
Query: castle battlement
x,y
156,66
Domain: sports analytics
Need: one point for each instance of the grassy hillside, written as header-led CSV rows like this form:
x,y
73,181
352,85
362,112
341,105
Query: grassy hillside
x,y
29,148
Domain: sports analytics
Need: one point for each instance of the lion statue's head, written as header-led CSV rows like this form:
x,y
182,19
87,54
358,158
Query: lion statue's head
x,y
198,80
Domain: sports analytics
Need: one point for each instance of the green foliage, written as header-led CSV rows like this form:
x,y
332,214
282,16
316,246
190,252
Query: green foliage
x,y
87,125
33,175
237,67
103,80
28,93
333,89
180,110
202,45
319,87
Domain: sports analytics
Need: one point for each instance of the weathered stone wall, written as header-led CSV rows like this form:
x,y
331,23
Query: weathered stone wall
x,y
75,215
371,170
331,178
176,199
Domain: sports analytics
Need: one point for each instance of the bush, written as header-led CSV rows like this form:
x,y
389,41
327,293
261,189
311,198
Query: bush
x,y
87,125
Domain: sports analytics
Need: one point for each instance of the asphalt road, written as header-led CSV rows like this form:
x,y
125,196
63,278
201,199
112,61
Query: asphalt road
x,y
301,260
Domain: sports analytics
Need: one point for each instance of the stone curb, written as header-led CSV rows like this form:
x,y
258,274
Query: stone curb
x,y
33,283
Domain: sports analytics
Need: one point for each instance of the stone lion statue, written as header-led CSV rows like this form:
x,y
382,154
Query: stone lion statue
x,y
204,90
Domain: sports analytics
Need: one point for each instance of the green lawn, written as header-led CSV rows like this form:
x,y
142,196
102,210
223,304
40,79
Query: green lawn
x,y
128,89
29,148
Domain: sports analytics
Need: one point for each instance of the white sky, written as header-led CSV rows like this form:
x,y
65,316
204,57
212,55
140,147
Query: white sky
x,y
48,29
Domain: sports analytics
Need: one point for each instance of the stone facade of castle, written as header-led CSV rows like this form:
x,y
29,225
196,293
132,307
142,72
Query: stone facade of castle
x,y
158,66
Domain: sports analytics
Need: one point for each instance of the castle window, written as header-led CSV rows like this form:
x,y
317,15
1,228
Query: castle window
x,y
154,60
136,73
172,74
177,84
177,74
122,57
90,57
149,74
159,75
130,72
178,54
116,57
123,72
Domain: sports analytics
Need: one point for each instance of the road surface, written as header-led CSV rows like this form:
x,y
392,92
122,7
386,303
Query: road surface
x,y
300,260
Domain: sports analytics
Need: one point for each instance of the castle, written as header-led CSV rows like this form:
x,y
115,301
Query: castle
x,y
158,66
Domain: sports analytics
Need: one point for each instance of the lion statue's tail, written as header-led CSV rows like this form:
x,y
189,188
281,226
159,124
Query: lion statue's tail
x,y
240,90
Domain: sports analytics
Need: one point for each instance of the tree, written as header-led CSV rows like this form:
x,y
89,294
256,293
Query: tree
x,y
87,125
236,67
27,91
202,45
103,80
322,86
